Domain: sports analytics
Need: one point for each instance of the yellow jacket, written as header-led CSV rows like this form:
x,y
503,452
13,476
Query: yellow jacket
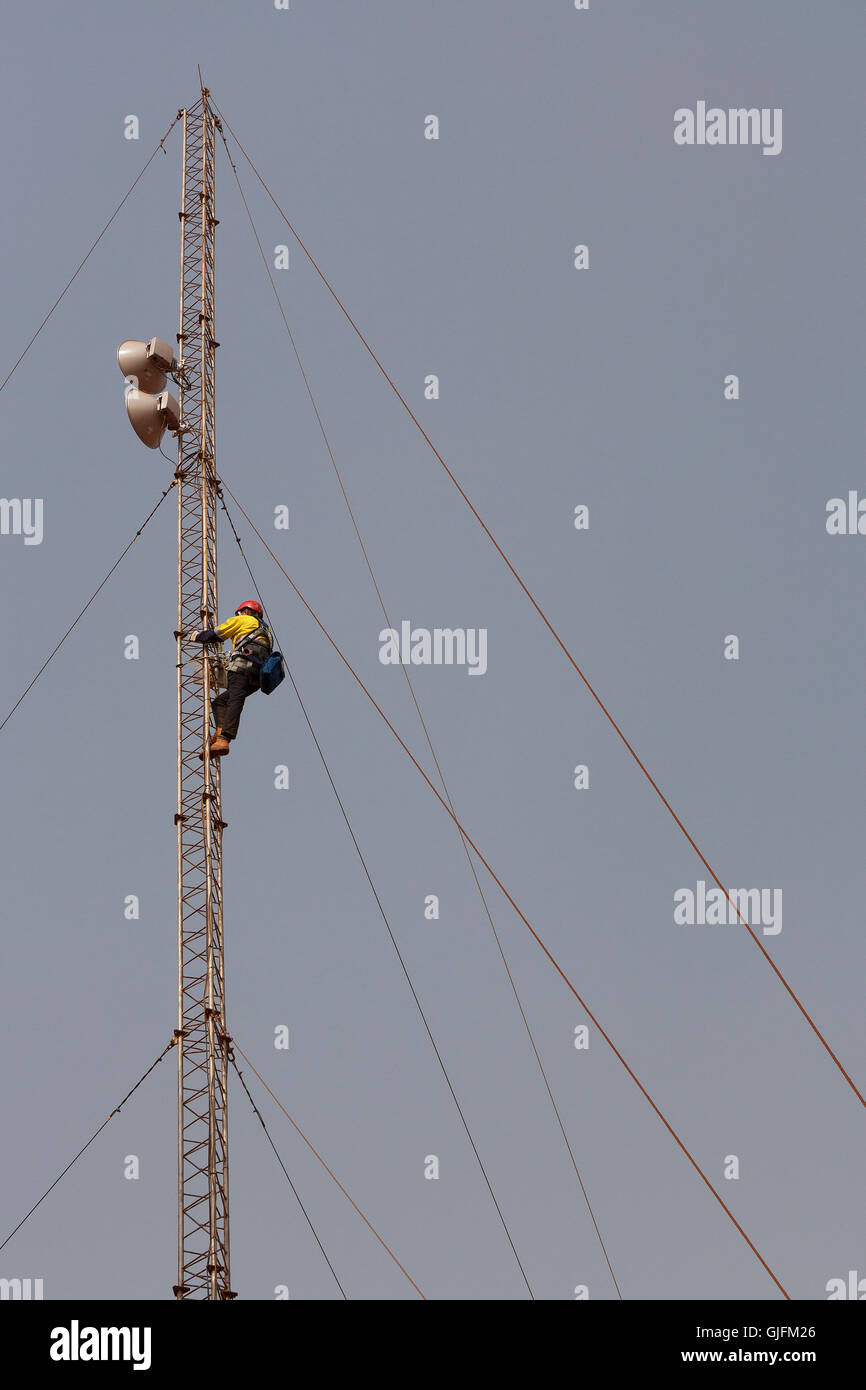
x,y
241,625
236,628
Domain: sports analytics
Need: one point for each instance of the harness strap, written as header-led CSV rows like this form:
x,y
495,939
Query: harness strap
x,y
253,657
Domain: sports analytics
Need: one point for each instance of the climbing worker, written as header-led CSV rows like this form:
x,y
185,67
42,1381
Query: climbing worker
x,y
251,646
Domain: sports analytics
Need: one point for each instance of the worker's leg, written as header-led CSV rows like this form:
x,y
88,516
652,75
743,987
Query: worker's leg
x,y
231,702
218,706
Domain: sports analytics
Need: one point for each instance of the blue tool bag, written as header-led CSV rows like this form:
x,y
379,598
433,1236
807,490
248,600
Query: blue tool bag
x,y
272,673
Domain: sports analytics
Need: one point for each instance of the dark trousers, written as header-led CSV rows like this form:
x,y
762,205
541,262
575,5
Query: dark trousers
x,y
228,704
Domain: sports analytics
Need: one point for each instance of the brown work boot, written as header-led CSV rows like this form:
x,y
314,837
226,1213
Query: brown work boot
x,y
214,752
219,745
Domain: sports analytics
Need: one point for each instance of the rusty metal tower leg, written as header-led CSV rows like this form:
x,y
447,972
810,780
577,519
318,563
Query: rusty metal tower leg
x,y
203,1196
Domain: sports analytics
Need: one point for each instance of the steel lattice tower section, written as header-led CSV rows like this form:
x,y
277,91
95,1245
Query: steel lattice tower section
x,y
202,1041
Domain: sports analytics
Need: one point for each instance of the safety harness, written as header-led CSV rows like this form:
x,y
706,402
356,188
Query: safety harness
x,y
244,656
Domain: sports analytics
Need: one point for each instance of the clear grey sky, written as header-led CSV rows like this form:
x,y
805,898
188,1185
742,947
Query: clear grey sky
x,y
558,387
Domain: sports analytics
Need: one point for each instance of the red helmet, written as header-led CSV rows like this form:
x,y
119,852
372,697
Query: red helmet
x,y
251,604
